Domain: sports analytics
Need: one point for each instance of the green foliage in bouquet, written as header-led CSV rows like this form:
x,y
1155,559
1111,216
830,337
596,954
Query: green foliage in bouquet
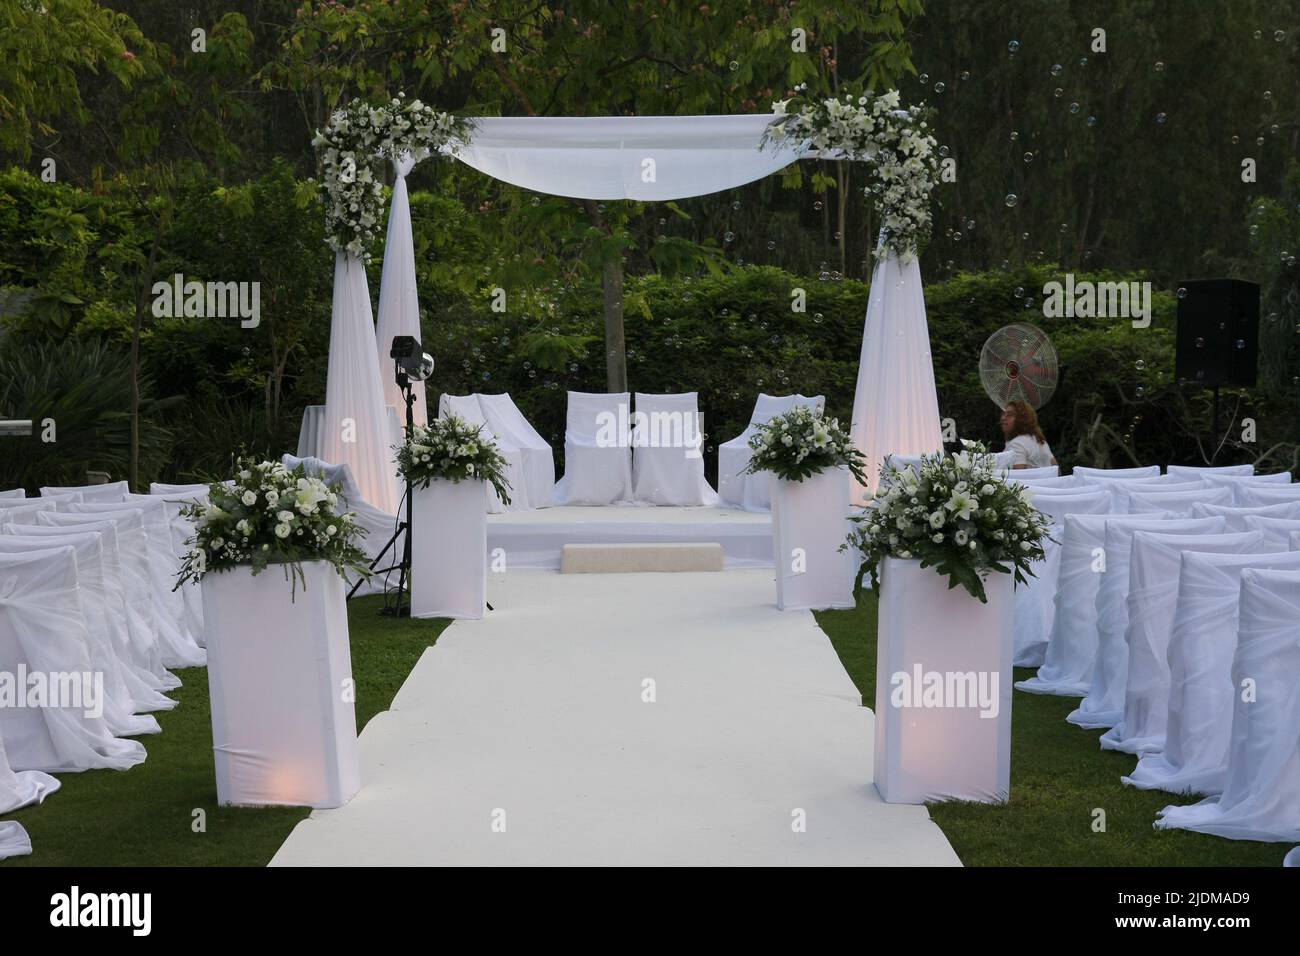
x,y
454,449
958,516
272,515
803,442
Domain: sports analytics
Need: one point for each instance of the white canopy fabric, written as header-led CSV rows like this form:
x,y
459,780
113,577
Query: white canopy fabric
x,y
644,158
399,306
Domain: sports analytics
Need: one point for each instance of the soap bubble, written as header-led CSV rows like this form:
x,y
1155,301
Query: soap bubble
x,y
965,74
939,87
1011,199
1029,157
1014,136
1279,35
1056,69
1160,67
733,66
1013,46
1139,365
1182,292
1058,92
1268,94
924,78
1092,121
1160,118
1074,107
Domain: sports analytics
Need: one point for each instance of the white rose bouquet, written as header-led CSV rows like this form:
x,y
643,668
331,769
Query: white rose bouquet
x,y
803,442
454,449
271,515
958,516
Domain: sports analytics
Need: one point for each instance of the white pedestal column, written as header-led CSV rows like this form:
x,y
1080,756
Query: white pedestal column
x,y
809,523
449,549
943,687
279,672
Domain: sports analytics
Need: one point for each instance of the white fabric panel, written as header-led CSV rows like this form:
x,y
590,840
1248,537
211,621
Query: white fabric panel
x,y
1178,503
607,157
449,549
354,390
311,434
24,513
1277,531
597,458
668,451
113,491
1237,482
1152,602
468,408
1236,515
1261,793
13,493
1198,727
43,630
942,753
104,642
182,531
178,646
1035,601
1060,483
895,405
506,420
178,491
1145,471
1252,496
282,733
1295,541
1072,648
810,517
1120,487
1049,471
141,670
399,305
20,790
1103,708
1196,471
14,840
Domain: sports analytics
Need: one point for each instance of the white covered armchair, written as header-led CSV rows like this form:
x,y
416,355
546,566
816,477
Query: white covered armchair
x,y
735,486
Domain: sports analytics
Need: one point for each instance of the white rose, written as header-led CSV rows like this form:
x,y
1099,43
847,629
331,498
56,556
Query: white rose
x,y
249,498
281,531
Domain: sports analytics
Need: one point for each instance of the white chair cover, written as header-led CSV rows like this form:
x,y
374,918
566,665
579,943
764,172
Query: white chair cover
x,y
1197,471
137,582
179,647
597,450
1072,648
138,656
1252,496
1120,487
903,462
1035,601
1152,603
1237,482
102,638
1177,503
1060,483
13,493
23,512
1236,515
112,491
180,492
1147,471
506,420
733,455
1198,728
1277,531
43,631
1103,708
467,407
668,451
1047,471
19,790
1261,792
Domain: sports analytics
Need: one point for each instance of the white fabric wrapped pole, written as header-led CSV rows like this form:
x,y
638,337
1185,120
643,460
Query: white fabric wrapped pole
x,y
1152,604
1236,515
357,430
1198,727
399,303
1178,503
1261,793
895,404
1103,708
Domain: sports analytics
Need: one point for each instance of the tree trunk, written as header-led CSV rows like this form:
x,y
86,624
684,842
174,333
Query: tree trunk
x,y
611,280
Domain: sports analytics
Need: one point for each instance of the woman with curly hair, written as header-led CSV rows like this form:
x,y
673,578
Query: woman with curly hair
x,y
1025,437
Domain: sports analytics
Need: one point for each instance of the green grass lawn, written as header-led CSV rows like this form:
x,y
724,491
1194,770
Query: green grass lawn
x,y
1060,777
145,816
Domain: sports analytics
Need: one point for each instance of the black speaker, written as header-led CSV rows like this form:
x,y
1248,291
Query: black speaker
x,y
1218,332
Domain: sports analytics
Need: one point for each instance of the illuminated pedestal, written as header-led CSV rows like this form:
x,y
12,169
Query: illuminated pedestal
x,y
942,660
449,549
809,523
280,677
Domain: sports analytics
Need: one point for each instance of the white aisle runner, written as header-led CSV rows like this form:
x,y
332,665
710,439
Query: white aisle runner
x,y
533,718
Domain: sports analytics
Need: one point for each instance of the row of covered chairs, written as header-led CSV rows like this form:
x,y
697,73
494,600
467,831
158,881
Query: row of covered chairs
x,y
1170,605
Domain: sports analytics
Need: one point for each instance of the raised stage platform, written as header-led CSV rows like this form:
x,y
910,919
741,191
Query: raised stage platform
x,y
534,539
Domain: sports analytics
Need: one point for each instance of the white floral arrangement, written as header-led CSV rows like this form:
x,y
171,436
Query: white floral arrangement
x,y
271,514
358,138
957,515
872,128
453,449
803,442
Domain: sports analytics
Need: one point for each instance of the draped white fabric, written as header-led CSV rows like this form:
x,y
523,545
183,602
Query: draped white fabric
x,y
1261,792
113,491
597,467
399,304
507,421
1198,471
1179,503
1236,515
646,158
13,493
895,405
1142,471
1277,531
19,790
1198,726
1237,482
1152,603
1268,494
468,408
1103,708
735,486
668,451
354,392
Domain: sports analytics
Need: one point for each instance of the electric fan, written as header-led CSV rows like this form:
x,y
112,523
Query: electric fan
x,y
1018,362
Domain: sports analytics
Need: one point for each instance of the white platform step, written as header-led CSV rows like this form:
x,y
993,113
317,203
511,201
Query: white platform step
x,y
625,558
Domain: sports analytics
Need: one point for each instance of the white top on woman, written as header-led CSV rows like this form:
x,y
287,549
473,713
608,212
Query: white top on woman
x,y
1030,452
